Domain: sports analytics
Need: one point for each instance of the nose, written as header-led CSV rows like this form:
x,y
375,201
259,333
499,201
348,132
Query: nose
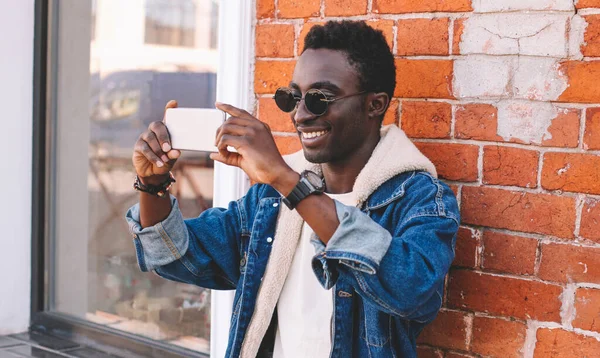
x,y
302,114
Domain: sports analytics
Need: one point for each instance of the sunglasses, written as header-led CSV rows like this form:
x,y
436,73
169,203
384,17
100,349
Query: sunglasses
x,y
316,102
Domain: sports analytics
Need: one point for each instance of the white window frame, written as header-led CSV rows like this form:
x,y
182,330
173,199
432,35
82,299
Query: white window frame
x,y
234,86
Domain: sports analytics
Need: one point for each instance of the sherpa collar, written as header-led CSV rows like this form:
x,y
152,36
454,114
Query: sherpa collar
x,y
395,154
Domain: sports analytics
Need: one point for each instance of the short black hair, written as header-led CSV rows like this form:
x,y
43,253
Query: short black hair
x,y
366,48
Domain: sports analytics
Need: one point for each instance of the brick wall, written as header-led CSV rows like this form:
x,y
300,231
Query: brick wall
x,y
504,97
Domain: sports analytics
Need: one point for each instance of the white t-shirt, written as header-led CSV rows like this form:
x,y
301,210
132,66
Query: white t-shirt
x,y
305,308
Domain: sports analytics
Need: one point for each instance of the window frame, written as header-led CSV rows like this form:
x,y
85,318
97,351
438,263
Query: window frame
x,y
233,86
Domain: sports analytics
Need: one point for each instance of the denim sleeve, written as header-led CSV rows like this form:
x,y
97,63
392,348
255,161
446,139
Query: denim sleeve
x,y
401,270
203,251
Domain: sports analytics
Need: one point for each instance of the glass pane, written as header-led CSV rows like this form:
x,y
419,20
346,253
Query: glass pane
x,y
118,64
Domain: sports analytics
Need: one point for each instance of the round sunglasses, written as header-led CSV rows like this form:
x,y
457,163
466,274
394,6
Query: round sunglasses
x,y
316,102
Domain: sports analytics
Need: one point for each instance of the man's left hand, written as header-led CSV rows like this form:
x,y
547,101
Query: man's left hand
x,y
257,154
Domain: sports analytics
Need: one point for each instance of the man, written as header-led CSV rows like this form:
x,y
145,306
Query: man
x,y
353,263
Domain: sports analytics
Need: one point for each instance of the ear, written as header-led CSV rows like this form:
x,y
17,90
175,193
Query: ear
x,y
378,104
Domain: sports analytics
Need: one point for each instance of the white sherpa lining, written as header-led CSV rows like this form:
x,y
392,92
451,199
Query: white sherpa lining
x,y
394,154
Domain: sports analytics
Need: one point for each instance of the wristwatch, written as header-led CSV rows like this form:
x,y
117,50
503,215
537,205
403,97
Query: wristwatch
x,y
309,183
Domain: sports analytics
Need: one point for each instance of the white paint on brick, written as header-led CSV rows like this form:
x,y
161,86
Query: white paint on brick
x,y
526,121
530,339
515,33
567,309
577,28
537,78
482,76
515,5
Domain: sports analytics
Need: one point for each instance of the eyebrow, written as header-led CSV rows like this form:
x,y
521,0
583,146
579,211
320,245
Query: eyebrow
x,y
318,85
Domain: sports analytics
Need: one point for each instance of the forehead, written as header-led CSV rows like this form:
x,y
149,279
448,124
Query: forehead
x,y
325,65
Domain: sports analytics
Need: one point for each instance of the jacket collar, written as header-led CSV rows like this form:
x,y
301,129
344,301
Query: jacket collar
x,y
395,154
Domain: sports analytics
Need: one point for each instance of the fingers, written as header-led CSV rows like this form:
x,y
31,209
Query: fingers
x,y
150,138
143,147
227,158
233,129
233,111
171,104
162,135
232,141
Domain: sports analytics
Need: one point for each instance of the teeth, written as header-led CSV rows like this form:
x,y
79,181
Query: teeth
x,y
313,134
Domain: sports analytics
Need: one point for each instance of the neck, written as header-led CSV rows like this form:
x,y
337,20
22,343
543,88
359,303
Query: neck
x,y
340,175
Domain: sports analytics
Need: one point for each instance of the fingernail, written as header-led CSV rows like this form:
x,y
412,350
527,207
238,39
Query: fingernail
x,y
166,147
160,164
218,103
164,158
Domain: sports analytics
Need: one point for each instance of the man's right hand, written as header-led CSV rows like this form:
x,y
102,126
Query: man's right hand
x,y
153,156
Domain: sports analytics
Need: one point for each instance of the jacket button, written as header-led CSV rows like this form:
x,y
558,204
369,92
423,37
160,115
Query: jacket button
x,y
243,262
275,205
344,294
269,239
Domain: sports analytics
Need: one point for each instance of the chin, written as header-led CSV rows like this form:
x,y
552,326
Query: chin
x,y
317,157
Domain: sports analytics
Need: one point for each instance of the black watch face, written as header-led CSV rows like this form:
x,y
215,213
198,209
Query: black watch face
x,y
314,180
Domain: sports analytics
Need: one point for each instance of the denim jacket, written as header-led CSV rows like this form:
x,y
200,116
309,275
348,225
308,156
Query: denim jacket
x,y
386,262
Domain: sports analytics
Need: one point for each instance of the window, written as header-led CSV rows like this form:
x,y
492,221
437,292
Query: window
x,y
183,23
105,92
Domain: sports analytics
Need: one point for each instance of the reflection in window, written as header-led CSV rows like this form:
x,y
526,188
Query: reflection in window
x,y
170,22
125,87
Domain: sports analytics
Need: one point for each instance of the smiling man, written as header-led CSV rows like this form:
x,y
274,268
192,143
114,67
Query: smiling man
x,y
340,249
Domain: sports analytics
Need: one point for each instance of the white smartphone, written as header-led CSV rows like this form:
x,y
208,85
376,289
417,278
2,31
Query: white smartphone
x,y
194,128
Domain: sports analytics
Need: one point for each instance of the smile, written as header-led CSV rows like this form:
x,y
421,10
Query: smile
x,y
310,135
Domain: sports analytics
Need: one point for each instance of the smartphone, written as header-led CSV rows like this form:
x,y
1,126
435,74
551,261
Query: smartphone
x,y
194,128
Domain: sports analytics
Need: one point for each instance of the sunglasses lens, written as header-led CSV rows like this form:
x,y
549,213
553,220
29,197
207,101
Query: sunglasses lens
x,y
285,100
315,102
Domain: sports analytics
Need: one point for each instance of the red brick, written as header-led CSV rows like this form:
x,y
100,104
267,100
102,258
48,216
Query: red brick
x,y
459,28
391,115
290,9
564,129
571,172
497,338
477,121
275,40
407,6
508,253
270,75
591,38
452,161
558,343
504,296
345,8
467,243
587,306
590,220
423,78
265,9
510,166
591,137
582,4
387,27
527,212
278,120
428,352
426,119
583,81
305,29
423,37
454,188
448,330
288,145
568,263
